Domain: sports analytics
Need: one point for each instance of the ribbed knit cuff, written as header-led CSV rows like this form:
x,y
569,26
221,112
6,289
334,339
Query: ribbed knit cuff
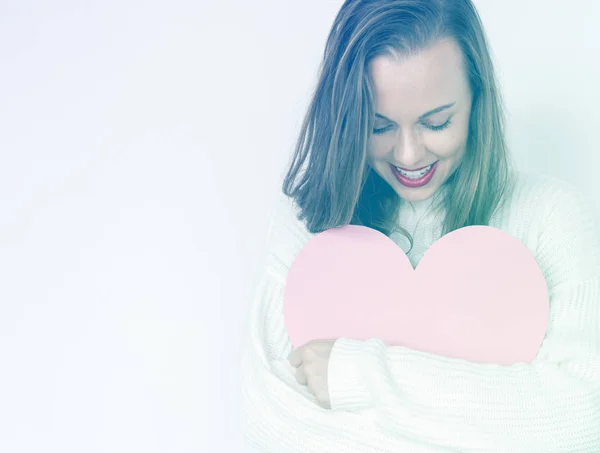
x,y
347,390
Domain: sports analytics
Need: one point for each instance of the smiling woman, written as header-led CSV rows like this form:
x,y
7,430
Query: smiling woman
x,y
405,134
417,87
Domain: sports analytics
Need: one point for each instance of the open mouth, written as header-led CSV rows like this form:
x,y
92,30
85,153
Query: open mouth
x,y
416,178
415,174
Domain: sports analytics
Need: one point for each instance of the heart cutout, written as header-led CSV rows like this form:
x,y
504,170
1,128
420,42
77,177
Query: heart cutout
x,y
477,294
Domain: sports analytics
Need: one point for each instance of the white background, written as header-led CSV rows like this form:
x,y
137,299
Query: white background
x,y
142,146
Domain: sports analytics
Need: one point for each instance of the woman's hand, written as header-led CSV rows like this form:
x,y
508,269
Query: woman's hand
x,y
311,361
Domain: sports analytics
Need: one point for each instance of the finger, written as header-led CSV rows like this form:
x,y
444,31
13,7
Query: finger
x,y
295,357
301,376
324,403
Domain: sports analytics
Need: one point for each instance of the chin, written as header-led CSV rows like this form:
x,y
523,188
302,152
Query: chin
x,y
420,194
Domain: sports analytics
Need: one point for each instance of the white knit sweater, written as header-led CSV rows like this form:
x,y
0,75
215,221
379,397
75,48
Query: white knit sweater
x,y
394,399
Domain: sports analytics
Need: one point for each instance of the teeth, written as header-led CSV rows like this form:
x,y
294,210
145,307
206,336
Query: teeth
x,y
414,174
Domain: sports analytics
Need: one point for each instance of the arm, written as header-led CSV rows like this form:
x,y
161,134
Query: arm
x,y
549,405
278,414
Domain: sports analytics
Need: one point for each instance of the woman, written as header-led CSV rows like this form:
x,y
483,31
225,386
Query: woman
x,y
405,134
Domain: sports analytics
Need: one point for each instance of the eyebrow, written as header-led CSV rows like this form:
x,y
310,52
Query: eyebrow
x,y
424,115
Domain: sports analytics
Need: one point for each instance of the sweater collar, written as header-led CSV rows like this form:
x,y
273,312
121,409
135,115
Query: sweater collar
x,y
422,209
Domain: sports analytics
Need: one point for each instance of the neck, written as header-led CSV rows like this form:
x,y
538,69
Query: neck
x,y
422,207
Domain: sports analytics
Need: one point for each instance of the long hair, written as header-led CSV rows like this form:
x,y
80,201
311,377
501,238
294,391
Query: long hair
x,y
329,176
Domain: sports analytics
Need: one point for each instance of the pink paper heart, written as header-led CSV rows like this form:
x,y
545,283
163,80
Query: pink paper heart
x,y
477,294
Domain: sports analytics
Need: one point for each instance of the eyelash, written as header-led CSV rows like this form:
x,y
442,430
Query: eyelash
x,y
433,128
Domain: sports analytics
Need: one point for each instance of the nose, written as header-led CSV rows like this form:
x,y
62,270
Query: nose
x,y
409,151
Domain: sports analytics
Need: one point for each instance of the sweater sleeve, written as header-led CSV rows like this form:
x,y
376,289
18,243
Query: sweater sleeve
x,y
279,415
549,405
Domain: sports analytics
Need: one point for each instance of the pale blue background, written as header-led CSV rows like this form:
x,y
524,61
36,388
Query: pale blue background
x,y
142,144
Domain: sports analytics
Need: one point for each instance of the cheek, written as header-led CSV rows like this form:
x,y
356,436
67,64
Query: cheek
x,y
378,148
448,143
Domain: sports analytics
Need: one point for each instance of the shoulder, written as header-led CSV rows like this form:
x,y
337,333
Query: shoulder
x,y
286,235
537,198
286,219
558,224
544,189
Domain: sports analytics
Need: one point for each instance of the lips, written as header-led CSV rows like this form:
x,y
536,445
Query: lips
x,y
415,182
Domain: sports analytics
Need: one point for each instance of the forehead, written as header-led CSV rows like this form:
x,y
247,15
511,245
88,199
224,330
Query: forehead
x,y
419,82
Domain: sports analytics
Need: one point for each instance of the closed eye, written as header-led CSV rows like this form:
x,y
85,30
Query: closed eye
x,y
440,127
428,126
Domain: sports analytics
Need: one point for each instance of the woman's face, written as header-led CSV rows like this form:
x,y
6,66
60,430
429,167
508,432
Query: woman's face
x,y
422,106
